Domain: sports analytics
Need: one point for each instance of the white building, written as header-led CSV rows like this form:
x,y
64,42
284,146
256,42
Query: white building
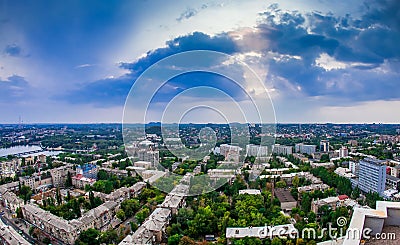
x,y
343,152
372,175
282,149
354,167
256,150
324,146
307,149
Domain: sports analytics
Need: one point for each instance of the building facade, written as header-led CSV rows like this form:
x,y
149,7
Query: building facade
x,y
372,175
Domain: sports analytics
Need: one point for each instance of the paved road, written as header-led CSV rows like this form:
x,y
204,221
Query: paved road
x,y
20,231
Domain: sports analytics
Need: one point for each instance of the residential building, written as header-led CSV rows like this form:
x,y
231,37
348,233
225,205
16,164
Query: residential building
x,y
100,218
282,149
143,164
322,164
343,152
9,168
331,202
354,167
12,201
312,187
372,175
152,230
307,149
226,149
59,175
149,156
392,182
9,236
286,199
88,170
256,150
345,172
79,181
250,192
36,181
324,146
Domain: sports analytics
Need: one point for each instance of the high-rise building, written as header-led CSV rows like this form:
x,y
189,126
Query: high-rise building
x,y
307,149
372,175
354,167
149,156
256,150
343,152
324,146
282,149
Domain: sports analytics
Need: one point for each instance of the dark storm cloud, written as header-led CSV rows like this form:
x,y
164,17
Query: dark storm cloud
x,y
364,44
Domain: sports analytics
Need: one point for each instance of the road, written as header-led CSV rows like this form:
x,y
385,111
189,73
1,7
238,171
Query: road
x,y
15,227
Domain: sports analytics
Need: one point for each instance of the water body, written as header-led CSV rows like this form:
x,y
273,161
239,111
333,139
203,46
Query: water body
x,y
26,148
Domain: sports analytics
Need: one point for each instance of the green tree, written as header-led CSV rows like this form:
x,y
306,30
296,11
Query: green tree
x,y
91,199
109,237
276,241
121,214
130,207
89,236
174,240
68,181
142,215
25,193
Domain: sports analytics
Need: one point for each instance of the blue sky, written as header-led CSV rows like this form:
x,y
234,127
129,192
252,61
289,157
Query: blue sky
x,y
321,61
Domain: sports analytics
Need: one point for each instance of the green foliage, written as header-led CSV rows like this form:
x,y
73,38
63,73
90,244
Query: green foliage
x,y
121,214
25,193
325,158
342,184
89,237
130,207
142,215
68,181
174,239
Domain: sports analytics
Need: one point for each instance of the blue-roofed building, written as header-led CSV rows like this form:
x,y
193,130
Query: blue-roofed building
x,y
88,171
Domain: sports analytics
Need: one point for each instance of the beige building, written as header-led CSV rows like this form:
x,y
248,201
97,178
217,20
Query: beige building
x,y
152,230
59,175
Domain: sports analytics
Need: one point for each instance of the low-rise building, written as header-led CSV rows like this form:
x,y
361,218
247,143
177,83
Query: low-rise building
x,y
12,201
262,232
143,164
286,199
9,236
312,187
152,229
322,164
345,172
250,192
59,175
392,182
79,181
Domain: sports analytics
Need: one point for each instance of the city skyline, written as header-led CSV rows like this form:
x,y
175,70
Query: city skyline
x,y
320,61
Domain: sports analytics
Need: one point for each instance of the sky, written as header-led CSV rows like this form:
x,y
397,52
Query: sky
x,y
315,60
